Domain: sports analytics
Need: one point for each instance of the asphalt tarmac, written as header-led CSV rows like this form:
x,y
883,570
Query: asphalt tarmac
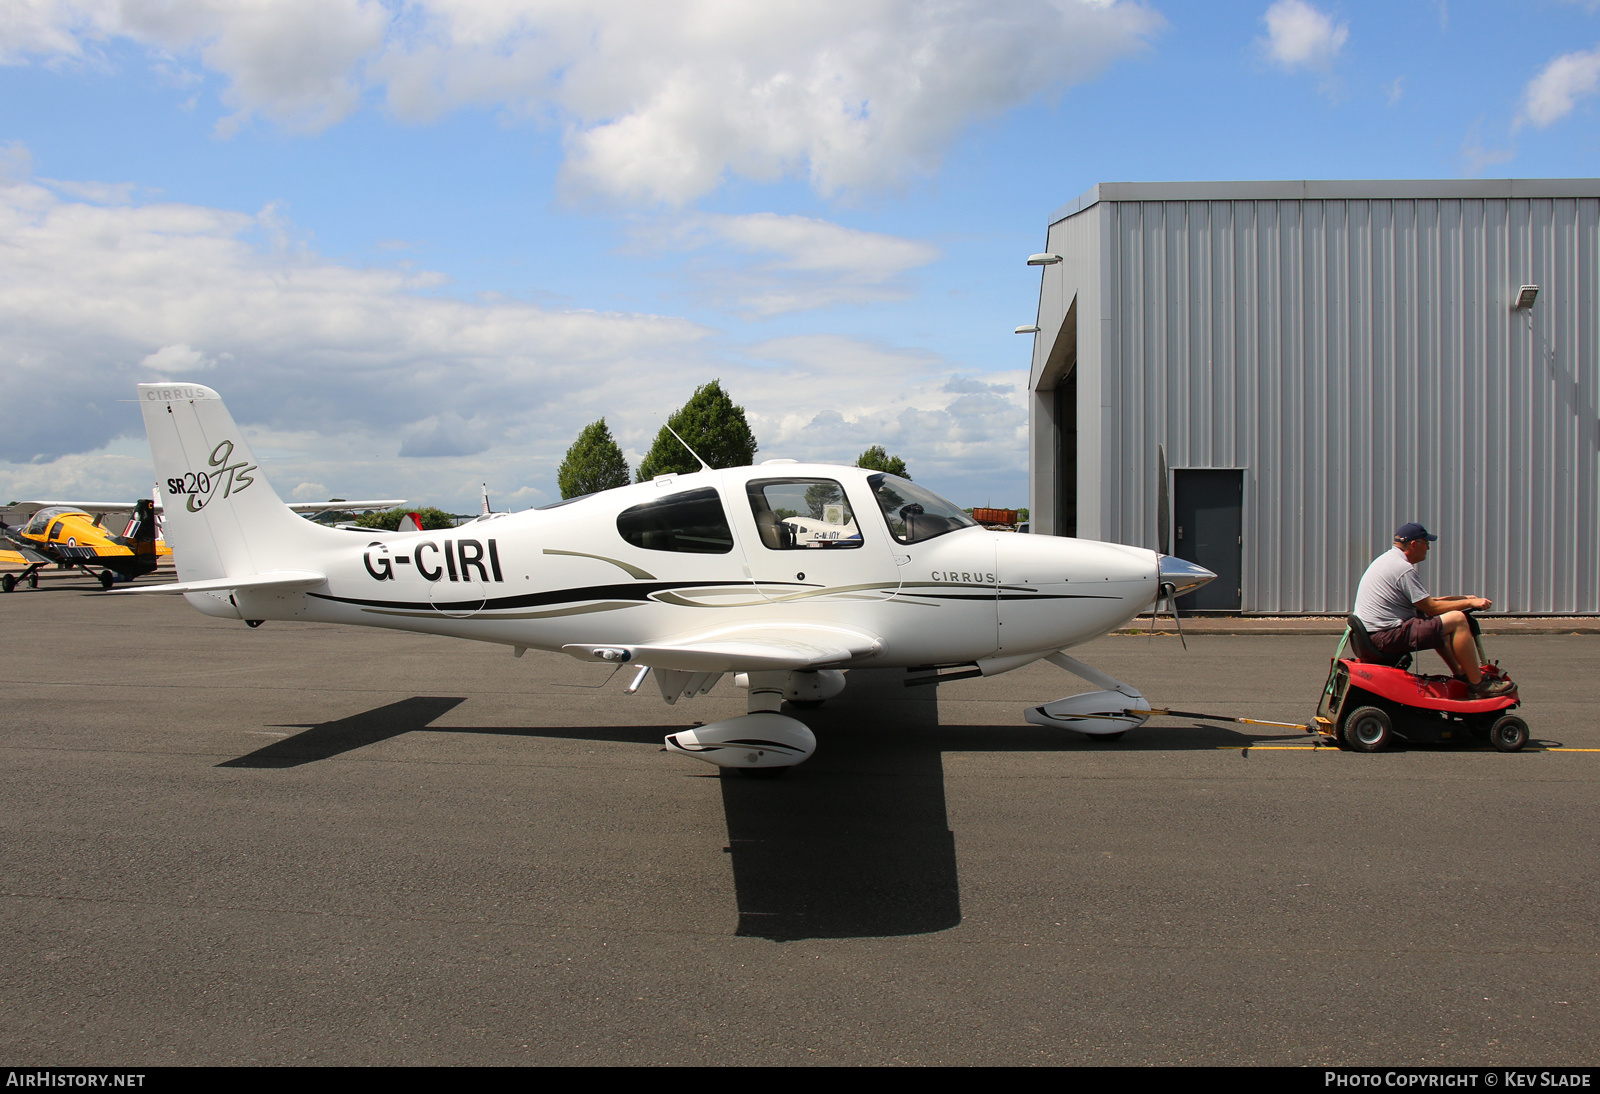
x,y
315,844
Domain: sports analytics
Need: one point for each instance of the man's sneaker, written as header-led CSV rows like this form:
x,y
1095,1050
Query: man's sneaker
x,y
1490,689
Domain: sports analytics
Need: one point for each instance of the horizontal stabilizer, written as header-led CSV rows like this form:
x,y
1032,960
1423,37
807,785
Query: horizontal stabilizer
x,y
272,579
344,506
741,649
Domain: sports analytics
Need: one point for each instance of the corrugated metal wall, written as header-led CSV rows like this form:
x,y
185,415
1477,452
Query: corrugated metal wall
x,y
1361,361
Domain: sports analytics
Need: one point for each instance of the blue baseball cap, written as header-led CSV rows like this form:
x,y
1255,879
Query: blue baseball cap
x,y
1408,532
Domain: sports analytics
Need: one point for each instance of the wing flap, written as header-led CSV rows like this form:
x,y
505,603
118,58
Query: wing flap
x,y
741,649
284,580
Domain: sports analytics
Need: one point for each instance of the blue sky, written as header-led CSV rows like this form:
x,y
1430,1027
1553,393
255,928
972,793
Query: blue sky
x,y
418,245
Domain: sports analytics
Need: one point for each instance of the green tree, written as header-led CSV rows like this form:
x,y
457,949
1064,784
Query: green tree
x,y
876,459
819,496
712,426
389,519
593,463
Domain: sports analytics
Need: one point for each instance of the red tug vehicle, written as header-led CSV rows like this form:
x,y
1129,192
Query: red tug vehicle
x,y
1371,700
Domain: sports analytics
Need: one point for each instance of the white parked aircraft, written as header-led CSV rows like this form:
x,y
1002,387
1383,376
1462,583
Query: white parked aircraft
x,y
782,574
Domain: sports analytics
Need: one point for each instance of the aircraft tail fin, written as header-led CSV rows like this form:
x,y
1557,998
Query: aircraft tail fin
x,y
411,522
141,530
222,517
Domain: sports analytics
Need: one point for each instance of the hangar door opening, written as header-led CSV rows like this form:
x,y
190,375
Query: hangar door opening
x,y
1208,528
1067,454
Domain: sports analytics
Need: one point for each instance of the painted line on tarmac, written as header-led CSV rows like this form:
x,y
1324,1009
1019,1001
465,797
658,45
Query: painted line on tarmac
x,y
1276,748
1335,748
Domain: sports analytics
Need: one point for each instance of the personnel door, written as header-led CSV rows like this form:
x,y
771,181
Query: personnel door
x,y
1208,528
805,541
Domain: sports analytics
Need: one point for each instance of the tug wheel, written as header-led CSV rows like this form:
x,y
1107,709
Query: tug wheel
x,y
105,580
1368,729
1509,734
8,582
33,581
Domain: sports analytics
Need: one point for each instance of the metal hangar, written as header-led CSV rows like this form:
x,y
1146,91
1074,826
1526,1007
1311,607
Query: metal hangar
x,y
1311,364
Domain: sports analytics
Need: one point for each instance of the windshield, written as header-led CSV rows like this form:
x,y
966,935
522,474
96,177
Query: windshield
x,y
914,513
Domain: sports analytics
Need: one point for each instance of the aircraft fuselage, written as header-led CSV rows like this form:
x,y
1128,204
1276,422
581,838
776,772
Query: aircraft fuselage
x,y
688,554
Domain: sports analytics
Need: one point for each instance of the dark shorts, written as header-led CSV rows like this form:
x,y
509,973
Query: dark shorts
x,y
1413,634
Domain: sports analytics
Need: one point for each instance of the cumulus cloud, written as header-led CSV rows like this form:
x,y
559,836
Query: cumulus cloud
x,y
1555,91
336,371
178,359
659,101
112,294
831,397
765,264
1301,36
446,435
52,28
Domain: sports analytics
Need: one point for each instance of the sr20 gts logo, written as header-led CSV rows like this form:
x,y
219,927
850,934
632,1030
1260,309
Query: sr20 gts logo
x,y
201,486
458,559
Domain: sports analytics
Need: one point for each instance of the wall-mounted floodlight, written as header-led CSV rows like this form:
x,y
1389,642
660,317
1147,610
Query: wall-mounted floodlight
x,y
1043,260
1026,330
1526,296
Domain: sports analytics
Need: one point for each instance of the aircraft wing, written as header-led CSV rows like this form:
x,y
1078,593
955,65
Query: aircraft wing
x,y
87,507
25,554
741,649
344,506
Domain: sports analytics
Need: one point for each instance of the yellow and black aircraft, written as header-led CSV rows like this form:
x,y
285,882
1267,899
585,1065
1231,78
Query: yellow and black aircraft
x,y
71,536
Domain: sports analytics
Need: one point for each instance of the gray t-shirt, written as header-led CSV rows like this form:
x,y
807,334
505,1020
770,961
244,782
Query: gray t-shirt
x,y
1389,591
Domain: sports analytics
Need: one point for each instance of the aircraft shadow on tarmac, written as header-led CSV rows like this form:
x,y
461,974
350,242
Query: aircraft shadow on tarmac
x,y
856,843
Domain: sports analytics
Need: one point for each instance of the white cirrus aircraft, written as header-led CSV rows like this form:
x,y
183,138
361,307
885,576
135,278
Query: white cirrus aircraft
x,y
783,574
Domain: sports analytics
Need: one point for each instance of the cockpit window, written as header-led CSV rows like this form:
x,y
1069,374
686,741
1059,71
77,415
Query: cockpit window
x,y
802,515
691,522
914,513
41,520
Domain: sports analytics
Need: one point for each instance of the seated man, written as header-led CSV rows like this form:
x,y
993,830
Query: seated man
x,y
1400,616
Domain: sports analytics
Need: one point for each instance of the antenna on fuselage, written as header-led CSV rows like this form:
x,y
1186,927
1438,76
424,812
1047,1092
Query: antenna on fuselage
x,y
704,466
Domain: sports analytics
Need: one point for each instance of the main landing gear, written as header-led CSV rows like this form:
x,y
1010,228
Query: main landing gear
x,y
9,582
762,743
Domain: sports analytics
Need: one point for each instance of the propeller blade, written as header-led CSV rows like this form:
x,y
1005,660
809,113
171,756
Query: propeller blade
x,y
1163,514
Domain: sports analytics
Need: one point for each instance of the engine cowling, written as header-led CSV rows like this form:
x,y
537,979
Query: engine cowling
x,y
762,739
